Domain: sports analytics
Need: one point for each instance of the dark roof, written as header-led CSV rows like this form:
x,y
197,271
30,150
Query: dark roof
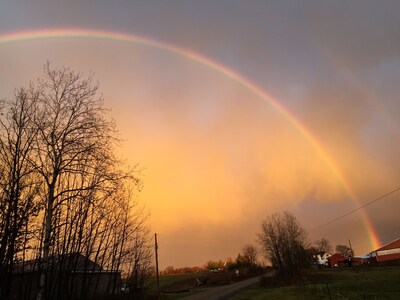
x,y
73,262
394,243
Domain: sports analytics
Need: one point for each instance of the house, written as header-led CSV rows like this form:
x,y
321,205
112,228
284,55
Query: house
x,y
339,260
322,260
70,276
363,259
388,252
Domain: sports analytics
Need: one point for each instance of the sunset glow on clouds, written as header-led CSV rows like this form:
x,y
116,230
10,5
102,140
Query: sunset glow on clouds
x,y
235,113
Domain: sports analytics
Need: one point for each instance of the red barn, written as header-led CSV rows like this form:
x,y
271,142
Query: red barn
x,y
390,251
336,260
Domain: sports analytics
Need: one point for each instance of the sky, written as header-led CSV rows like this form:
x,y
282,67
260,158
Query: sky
x,y
234,110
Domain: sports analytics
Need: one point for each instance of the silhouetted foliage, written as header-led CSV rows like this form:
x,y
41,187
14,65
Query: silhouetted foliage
x,y
63,191
344,250
250,252
215,265
323,246
284,243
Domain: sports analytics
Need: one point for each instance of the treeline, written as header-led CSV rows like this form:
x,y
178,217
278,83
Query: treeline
x,y
247,259
63,191
171,270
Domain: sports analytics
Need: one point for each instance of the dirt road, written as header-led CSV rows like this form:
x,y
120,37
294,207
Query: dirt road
x,y
222,292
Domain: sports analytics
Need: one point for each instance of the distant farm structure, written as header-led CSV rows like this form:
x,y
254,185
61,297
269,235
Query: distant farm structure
x,y
388,252
70,277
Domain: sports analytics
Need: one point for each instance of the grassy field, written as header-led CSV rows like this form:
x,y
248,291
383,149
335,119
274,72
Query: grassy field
x,y
177,286
371,282
177,282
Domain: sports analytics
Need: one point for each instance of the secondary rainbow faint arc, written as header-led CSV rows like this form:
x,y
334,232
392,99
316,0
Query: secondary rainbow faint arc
x,y
123,37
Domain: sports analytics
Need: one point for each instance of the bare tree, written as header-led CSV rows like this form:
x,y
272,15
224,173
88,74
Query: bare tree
x,y
74,139
250,253
64,196
344,250
18,185
323,246
135,256
284,241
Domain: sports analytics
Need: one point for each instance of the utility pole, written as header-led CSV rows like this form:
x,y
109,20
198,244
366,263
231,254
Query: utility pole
x,y
158,277
352,252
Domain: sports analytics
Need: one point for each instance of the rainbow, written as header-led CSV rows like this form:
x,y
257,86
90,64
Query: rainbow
x,y
226,71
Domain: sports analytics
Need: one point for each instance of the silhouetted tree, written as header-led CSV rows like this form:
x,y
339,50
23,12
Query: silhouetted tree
x,y
250,253
344,250
74,139
284,243
214,265
323,246
19,188
63,193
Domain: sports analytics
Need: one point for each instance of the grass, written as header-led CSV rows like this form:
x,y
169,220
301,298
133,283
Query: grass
x,y
177,282
178,286
371,282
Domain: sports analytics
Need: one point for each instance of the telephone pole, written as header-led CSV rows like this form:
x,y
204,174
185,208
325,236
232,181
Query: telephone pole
x,y
158,277
351,248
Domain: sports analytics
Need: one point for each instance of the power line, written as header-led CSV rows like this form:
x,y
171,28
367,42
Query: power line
x,y
356,209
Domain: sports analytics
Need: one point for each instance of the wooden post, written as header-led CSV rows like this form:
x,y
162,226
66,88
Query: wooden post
x,y
351,248
158,277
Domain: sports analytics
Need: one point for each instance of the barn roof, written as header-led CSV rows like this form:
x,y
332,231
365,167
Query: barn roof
x,y
395,243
